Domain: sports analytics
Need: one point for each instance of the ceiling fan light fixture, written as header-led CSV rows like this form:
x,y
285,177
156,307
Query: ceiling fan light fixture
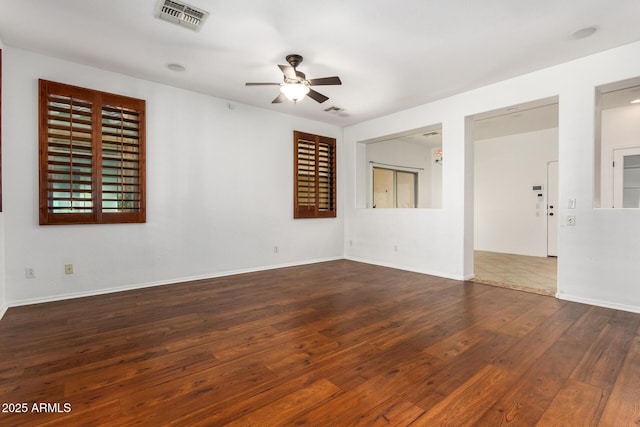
x,y
295,90
296,86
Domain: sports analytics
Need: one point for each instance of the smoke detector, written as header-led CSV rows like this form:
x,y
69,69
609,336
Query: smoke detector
x,y
181,13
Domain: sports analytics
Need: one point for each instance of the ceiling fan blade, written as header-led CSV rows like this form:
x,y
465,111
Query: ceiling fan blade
x,y
324,81
262,84
280,98
288,71
317,96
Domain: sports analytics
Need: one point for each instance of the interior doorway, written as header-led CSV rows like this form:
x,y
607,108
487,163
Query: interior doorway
x,y
516,196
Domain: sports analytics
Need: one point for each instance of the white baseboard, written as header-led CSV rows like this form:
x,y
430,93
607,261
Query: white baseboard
x,y
162,283
414,270
599,303
566,297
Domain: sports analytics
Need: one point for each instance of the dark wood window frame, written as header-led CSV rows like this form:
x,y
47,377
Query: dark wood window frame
x,y
314,174
92,156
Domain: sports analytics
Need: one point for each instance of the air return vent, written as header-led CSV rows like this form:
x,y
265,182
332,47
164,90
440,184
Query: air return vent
x,y
181,14
333,110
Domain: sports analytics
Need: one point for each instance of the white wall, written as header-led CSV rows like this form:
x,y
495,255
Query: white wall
x,y
213,229
598,257
219,192
424,240
508,216
3,292
620,128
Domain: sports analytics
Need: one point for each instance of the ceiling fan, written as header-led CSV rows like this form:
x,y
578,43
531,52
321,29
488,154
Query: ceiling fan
x,y
296,85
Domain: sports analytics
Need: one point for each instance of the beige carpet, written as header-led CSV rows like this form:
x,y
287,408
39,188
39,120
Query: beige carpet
x,y
525,273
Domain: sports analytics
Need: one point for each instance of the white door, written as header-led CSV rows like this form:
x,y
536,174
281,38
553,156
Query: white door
x,y
626,178
552,208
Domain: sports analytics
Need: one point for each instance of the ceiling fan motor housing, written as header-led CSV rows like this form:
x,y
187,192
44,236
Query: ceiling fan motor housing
x,y
294,59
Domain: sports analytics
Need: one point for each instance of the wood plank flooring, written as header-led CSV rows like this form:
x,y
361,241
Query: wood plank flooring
x,y
331,344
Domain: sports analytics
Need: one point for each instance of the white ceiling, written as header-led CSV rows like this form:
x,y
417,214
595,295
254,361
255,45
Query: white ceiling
x,y
528,117
389,55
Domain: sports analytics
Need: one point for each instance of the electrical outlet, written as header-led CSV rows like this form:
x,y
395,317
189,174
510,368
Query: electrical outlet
x,y
30,273
68,269
395,248
350,242
572,203
571,220
275,249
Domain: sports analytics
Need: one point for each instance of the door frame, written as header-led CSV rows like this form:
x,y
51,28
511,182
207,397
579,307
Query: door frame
x,y
552,196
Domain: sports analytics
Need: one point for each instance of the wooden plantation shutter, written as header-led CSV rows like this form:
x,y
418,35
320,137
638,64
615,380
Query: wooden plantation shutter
x,y
305,203
66,155
91,156
314,176
122,162
326,176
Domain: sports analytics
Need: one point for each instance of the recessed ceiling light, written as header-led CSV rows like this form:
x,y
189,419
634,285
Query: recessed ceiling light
x,y
636,101
585,32
175,67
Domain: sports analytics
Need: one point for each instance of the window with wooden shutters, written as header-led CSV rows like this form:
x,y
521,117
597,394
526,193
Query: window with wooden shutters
x,y
314,176
92,156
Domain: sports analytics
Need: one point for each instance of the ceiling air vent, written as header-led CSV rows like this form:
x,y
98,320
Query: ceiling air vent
x,y
181,14
333,110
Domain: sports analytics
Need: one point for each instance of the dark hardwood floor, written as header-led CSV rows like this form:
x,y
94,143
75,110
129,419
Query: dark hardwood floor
x,y
331,344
